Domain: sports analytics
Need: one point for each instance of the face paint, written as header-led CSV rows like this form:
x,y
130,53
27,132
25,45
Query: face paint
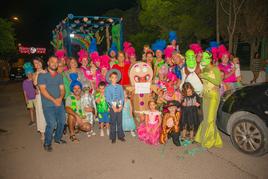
x,y
206,59
190,59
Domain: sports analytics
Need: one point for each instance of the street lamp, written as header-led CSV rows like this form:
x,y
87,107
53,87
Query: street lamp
x,y
15,18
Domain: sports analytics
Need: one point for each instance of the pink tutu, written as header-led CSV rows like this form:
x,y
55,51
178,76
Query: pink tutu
x,y
147,136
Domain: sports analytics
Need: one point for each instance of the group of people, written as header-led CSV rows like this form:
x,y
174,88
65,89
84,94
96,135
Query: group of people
x,y
164,95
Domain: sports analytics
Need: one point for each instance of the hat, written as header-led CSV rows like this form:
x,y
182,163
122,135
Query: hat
x,y
93,46
112,71
60,54
172,103
74,82
196,48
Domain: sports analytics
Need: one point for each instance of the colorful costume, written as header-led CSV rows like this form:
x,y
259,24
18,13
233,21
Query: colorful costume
x,y
208,134
145,132
190,74
128,120
102,108
170,127
87,100
141,75
190,119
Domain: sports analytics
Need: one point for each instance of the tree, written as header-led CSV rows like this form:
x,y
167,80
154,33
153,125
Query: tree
x,y
193,20
7,38
231,9
253,25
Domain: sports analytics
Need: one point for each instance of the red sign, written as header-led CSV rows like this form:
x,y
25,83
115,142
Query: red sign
x,y
32,50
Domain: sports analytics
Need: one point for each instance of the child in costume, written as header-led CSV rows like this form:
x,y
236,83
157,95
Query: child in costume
x,y
128,120
190,103
149,131
114,95
208,134
102,109
227,67
146,48
170,124
171,93
29,91
87,101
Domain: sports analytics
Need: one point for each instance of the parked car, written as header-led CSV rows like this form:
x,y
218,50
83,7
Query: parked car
x,y
16,73
243,114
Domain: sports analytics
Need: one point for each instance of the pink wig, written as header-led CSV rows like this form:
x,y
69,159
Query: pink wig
x,y
130,51
196,48
95,57
171,76
223,51
168,51
215,53
104,61
60,54
126,45
82,54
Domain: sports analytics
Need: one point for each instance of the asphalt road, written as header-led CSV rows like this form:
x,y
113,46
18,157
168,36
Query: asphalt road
x,y
22,155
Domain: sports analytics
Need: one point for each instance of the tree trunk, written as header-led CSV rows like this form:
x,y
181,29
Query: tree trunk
x,y
108,44
217,22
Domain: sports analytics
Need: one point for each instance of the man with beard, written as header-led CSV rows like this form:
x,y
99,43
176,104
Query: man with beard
x,y
77,116
52,92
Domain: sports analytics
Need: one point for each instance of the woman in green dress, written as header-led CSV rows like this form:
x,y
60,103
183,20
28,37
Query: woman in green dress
x,y
208,135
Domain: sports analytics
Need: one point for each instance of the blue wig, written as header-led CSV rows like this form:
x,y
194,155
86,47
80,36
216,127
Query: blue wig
x,y
28,68
74,82
172,36
159,45
113,48
93,46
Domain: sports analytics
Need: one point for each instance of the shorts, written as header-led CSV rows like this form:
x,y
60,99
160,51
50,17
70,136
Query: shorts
x,y
104,117
30,104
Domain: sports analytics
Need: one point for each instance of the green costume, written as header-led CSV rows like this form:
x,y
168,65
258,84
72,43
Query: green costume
x,y
75,105
102,106
208,134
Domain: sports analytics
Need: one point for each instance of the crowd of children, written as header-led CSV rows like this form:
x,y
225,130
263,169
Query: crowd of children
x,y
124,95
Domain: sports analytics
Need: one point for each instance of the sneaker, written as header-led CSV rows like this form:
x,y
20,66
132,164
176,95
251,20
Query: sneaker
x,y
101,133
48,148
132,133
31,123
88,134
108,132
60,142
122,139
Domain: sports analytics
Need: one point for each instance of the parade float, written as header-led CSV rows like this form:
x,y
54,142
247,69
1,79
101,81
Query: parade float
x,y
76,32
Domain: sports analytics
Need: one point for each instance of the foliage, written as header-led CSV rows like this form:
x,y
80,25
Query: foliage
x,y
7,39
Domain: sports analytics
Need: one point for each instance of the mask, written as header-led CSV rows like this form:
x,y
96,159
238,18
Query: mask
x,y
206,59
190,59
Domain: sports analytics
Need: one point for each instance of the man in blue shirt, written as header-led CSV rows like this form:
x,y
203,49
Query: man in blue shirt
x,y
114,95
52,92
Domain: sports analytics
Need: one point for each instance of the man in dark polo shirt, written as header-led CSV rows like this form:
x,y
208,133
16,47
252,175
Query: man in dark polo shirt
x,y
52,92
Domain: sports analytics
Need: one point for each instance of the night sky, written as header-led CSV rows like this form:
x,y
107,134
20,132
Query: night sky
x,y
38,19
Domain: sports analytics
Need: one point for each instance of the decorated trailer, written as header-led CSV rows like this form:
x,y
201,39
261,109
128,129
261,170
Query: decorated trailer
x,y
76,32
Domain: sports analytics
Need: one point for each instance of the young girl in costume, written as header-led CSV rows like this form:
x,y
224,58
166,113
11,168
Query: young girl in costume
x,y
170,124
128,120
208,134
102,109
149,132
190,103
29,91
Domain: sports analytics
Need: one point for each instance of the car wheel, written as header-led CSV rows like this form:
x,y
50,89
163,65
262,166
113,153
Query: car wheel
x,y
249,134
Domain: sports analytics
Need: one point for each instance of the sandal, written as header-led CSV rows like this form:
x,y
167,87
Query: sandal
x,y
74,139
